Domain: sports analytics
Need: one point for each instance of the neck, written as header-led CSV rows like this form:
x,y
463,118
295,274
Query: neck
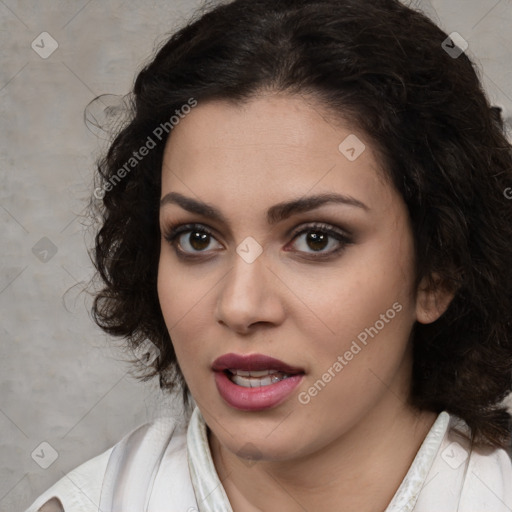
x,y
361,470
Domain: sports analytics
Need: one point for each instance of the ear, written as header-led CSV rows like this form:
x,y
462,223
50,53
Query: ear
x,y
432,299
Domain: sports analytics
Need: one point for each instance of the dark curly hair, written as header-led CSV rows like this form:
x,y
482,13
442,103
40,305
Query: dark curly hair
x,y
387,69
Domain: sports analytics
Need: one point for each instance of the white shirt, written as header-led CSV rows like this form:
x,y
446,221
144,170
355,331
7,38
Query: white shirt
x,y
165,466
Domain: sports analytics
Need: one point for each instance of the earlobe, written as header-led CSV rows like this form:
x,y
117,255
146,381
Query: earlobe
x,y
432,299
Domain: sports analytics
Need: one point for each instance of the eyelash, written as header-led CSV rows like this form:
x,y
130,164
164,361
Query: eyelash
x,y
173,231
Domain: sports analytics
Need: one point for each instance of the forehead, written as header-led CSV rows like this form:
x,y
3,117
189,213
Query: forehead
x,y
271,148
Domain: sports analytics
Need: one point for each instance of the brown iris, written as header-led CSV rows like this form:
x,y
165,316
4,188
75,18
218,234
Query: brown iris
x,y
199,241
317,241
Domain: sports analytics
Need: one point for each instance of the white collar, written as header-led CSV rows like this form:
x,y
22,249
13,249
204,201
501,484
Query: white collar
x,y
211,496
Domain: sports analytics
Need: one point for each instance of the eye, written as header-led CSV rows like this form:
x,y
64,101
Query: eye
x,y
188,239
318,238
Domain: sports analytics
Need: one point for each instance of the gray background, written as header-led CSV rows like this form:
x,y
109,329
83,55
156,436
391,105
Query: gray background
x,y
61,380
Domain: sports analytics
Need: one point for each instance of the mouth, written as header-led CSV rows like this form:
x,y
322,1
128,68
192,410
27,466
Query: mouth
x,y
247,367
255,381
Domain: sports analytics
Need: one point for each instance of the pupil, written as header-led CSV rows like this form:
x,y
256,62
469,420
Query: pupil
x,y
198,240
317,241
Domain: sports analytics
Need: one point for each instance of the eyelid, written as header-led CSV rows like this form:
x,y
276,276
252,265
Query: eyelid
x,y
342,237
174,230
321,226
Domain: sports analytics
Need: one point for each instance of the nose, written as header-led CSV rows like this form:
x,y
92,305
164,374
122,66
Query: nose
x,y
249,294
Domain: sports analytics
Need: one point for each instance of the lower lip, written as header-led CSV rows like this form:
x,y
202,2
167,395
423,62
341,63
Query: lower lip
x,y
255,399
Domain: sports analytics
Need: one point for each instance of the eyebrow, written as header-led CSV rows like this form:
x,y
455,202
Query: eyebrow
x,y
275,214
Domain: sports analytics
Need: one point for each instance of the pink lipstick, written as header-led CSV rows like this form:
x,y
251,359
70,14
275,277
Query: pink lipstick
x,y
254,382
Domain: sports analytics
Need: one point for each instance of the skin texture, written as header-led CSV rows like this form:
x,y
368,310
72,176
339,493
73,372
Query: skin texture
x,y
53,505
351,445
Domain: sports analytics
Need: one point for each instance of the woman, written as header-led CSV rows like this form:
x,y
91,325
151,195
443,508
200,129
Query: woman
x,y
305,225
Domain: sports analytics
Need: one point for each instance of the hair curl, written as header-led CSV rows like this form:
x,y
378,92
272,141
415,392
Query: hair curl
x,y
382,66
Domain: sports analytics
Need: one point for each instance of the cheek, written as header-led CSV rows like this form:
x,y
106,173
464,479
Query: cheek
x,y
179,300
175,302
180,291
362,355
364,311
188,316
169,288
364,286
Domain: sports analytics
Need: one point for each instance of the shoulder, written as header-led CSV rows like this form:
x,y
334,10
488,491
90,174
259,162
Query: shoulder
x,y
467,478
488,480
74,489
81,489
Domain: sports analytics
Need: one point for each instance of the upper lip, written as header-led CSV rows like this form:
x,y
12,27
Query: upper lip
x,y
252,362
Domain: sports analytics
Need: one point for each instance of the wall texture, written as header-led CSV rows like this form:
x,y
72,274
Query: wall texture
x,y
62,382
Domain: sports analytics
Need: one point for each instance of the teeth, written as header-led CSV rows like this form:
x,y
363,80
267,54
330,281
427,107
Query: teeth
x,y
260,373
271,377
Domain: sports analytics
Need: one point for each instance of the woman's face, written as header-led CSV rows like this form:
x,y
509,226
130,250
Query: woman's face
x,y
300,252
